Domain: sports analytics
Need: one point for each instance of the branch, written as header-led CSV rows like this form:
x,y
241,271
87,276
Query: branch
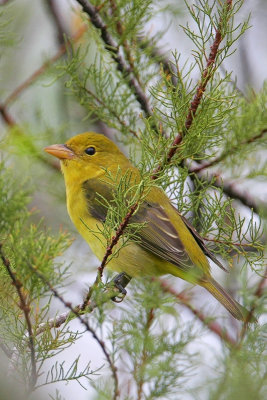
x,y
205,78
105,105
245,246
61,319
207,321
76,312
25,307
113,48
229,188
7,117
228,152
125,44
114,240
33,77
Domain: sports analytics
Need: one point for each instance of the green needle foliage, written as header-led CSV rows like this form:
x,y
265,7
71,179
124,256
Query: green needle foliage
x,y
190,130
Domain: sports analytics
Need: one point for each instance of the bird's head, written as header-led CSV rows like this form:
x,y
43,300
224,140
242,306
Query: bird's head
x,y
87,156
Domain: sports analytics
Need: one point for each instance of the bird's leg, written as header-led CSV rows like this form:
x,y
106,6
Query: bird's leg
x,y
120,282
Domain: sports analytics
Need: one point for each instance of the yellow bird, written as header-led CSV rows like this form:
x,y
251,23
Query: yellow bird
x,y
168,243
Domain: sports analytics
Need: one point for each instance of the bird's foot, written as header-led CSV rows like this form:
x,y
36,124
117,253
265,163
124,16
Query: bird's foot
x,y
120,282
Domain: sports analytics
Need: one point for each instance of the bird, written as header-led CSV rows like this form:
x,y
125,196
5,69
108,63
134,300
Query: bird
x,y
167,242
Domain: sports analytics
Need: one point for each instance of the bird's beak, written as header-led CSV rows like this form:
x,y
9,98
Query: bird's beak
x,y
60,151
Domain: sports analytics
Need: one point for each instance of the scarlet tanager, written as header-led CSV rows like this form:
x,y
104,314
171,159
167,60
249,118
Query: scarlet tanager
x,y
168,243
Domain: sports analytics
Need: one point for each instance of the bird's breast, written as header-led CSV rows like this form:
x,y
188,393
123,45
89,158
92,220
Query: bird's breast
x,y
88,226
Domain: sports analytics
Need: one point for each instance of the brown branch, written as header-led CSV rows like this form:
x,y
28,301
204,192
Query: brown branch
x,y
76,312
229,188
33,77
228,152
125,44
25,307
206,75
113,48
114,240
211,325
229,243
7,117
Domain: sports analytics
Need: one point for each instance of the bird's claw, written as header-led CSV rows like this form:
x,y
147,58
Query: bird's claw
x,y
120,282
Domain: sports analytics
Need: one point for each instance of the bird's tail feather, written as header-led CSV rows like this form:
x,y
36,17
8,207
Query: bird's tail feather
x,y
238,311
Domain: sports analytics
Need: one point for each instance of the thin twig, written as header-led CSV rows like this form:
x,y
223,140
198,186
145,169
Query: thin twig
x,y
102,103
229,188
76,312
232,191
60,319
211,325
25,307
229,243
113,48
114,240
205,78
32,78
7,117
125,44
228,152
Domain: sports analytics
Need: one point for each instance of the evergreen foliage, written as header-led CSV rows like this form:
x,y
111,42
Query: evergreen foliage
x,y
196,138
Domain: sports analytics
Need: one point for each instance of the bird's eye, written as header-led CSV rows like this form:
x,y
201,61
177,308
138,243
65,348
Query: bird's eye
x,y
90,151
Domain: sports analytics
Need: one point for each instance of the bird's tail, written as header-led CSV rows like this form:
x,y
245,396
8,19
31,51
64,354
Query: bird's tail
x,y
237,311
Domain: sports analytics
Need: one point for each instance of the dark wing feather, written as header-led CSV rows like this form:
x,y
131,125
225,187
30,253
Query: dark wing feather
x,y
201,243
95,192
159,235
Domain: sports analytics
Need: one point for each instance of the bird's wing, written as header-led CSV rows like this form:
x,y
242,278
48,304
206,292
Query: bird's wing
x,y
158,235
98,195
201,243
